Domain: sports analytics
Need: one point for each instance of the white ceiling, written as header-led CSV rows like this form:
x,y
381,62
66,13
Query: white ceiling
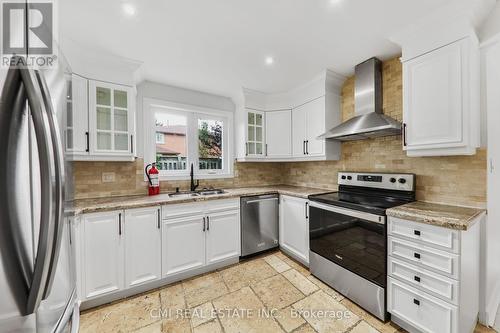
x,y
220,46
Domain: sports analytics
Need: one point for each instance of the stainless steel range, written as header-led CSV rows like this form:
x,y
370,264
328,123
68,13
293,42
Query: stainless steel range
x,y
348,235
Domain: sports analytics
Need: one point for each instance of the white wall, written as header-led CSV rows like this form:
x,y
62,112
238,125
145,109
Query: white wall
x,y
491,231
491,27
153,90
98,65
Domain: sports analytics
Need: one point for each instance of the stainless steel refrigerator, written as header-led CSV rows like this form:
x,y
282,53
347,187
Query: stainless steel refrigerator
x,y
37,275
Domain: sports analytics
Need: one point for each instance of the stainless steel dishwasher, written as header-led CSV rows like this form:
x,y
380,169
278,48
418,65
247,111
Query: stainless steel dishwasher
x,y
259,223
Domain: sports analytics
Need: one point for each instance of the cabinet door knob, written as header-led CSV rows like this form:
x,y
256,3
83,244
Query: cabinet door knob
x,y
416,232
416,278
416,301
416,255
159,219
204,224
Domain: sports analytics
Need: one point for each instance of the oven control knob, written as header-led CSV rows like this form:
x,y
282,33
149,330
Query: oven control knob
x,y
343,177
393,180
402,180
349,178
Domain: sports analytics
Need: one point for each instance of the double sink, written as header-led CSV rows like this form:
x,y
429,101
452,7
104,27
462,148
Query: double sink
x,y
193,194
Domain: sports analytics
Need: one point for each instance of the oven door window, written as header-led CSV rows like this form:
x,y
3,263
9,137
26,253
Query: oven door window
x,y
355,244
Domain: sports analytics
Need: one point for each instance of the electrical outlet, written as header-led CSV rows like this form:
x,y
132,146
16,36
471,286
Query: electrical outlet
x,y
108,177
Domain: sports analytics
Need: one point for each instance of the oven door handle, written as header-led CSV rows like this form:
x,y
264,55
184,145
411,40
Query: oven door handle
x,y
350,212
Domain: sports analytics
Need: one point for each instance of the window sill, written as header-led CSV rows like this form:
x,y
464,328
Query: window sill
x,y
196,176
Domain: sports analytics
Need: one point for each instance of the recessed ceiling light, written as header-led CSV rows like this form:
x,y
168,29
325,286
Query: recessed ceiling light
x,y
128,9
335,2
269,61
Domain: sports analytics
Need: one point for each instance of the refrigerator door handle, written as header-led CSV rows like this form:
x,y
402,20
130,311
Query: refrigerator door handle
x,y
57,149
70,314
14,252
41,125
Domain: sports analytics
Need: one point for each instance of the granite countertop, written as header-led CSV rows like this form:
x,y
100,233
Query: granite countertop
x,y
83,206
451,217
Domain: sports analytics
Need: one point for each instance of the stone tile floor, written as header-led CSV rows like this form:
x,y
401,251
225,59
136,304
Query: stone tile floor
x,y
268,293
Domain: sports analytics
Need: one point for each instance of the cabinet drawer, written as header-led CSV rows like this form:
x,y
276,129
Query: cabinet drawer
x,y
222,205
438,237
423,311
175,211
430,282
424,256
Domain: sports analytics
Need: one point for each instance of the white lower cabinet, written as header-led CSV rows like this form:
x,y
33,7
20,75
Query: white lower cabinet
x,y
219,246
142,246
433,277
294,227
120,250
424,312
194,241
102,254
183,244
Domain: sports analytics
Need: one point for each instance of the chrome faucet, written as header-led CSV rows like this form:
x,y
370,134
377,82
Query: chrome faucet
x,y
193,185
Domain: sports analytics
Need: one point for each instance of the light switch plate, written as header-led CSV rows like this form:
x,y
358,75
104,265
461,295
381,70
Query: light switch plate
x,y
108,177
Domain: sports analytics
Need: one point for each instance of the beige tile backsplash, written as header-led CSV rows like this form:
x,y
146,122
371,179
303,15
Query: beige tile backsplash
x,y
129,178
459,180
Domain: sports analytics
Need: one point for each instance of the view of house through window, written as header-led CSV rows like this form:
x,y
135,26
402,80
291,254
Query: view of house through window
x,y
183,138
171,141
210,144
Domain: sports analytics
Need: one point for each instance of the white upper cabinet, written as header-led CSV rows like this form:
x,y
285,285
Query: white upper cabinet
x,y
100,121
299,115
111,119
278,134
441,110
293,135
441,83
255,144
315,126
77,117
308,124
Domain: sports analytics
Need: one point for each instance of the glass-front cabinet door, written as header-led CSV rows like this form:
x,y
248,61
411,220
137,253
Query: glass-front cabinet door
x,y
255,133
76,135
111,118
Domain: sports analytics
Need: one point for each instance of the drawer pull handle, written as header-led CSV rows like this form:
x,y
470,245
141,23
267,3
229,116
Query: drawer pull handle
x,y
416,255
416,232
417,278
416,301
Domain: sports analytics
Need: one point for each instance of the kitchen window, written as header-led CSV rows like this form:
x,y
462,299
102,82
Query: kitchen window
x,y
182,136
210,146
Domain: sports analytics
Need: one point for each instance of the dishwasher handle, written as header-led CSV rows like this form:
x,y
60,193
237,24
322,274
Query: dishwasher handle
x,y
261,200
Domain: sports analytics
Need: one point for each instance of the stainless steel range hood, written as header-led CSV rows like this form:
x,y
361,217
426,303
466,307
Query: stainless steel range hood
x,y
368,120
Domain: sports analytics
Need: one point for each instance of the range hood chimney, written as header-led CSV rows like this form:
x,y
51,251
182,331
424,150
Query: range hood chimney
x,y
368,120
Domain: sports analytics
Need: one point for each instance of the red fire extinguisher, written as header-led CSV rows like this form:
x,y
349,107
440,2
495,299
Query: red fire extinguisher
x,y
154,182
